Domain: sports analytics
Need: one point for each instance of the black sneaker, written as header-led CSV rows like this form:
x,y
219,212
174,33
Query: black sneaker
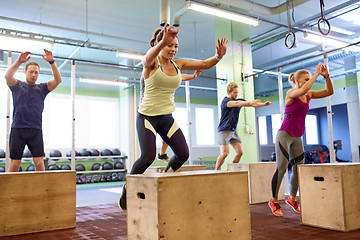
x,y
163,157
122,200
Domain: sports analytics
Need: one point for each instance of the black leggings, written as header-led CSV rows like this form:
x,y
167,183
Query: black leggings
x,y
165,125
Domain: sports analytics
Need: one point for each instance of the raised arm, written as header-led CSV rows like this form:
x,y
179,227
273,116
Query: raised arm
x,y
53,82
9,75
169,35
188,77
221,47
294,93
241,103
329,88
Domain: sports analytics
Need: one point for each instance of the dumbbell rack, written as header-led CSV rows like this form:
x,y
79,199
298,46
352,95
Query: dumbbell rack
x,y
61,159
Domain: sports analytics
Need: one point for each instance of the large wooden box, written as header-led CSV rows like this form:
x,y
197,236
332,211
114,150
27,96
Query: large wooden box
x,y
201,205
159,169
37,201
260,177
330,195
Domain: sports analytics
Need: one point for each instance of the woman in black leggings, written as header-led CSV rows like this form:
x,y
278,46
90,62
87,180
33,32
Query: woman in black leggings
x,y
162,76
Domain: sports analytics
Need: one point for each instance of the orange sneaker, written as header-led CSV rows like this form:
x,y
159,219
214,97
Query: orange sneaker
x,y
293,204
275,208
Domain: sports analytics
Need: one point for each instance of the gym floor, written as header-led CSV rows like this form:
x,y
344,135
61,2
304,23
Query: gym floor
x,y
98,217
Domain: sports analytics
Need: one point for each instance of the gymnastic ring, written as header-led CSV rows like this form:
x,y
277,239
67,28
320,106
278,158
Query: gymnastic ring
x,y
327,23
286,38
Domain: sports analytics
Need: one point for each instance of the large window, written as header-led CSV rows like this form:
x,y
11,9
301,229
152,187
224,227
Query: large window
x,y
180,116
276,124
96,125
204,122
311,129
262,130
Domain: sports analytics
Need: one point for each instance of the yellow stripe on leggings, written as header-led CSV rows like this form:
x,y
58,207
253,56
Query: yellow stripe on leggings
x,y
172,130
149,126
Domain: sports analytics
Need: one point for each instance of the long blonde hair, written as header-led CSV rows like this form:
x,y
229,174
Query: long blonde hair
x,y
296,75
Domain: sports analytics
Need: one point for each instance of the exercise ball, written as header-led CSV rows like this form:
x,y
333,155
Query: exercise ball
x,y
68,154
55,153
273,156
108,178
53,167
106,152
107,166
96,166
118,165
30,168
65,167
95,179
27,153
2,169
79,167
116,152
94,152
114,177
84,152
2,153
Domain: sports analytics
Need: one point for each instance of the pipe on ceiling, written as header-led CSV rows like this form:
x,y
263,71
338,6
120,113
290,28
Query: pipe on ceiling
x,y
164,12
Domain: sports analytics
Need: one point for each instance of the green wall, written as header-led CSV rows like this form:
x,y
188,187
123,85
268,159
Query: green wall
x,y
237,61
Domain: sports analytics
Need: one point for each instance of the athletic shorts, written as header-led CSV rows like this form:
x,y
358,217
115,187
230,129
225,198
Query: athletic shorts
x,y
226,137
20,137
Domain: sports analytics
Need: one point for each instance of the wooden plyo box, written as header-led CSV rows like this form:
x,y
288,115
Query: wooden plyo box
x,y
183,168
201,205
330,195
37,201
260,177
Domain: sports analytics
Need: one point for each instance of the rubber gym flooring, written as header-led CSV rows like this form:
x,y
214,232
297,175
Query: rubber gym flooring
x,y
98,217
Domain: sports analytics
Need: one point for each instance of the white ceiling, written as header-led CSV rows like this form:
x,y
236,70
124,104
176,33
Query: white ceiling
x,y
130,25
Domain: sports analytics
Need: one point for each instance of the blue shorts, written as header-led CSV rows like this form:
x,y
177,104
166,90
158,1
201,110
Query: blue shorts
x,y
20,137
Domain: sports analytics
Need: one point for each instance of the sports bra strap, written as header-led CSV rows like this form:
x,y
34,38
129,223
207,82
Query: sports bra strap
x,y
175,65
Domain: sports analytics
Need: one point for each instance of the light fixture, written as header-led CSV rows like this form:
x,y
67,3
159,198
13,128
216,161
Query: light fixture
x,y
129,55
103,82
219,12
16,43
341,30
329,41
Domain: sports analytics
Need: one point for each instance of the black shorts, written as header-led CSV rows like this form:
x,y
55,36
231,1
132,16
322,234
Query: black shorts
x,y
20,137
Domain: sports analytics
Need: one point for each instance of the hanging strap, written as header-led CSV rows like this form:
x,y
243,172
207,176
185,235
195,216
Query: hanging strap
x,y
323,19
290,33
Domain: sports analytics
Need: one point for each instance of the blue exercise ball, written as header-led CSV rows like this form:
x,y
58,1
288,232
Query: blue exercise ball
x,y
84,152
27,153
94,152
65,167
30,168
55,153
2,153
106,152
116,152
79,167
68,154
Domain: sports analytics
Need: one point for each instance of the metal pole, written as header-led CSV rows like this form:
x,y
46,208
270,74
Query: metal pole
x,y
281,94
73,79
136,143
187,92
282,111
7,160
329,118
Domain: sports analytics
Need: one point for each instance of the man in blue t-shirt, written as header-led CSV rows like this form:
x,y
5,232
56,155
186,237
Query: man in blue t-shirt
x,y
230,109
28,102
